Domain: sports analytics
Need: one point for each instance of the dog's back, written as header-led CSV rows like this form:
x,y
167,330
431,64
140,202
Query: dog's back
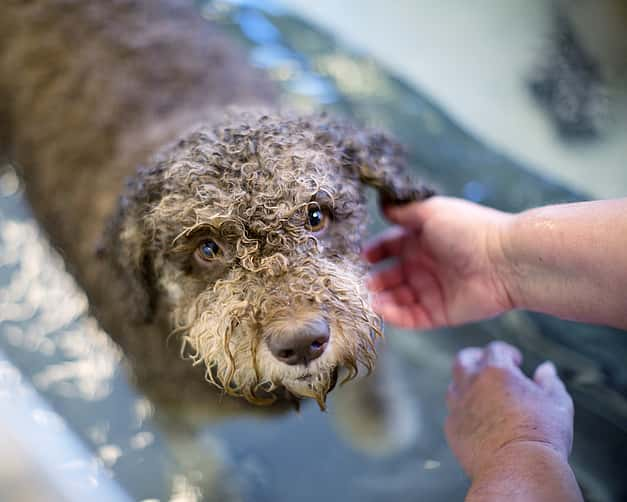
x,y
89,90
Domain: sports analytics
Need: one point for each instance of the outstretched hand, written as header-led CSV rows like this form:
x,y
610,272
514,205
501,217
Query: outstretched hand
x,y
493,405
511,434
445,271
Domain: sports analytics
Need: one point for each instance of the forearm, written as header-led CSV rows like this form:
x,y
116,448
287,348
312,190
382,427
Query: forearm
x,y
569,260
526,472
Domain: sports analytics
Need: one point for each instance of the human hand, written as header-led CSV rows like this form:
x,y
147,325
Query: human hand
x,y
447,256
497,412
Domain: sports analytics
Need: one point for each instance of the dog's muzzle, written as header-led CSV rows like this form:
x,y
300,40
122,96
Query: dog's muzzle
x,y
300,345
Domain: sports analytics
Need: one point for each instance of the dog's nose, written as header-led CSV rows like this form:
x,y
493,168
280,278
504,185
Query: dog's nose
x,y
302,345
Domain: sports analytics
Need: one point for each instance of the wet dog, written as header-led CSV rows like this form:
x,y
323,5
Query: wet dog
x,y
217,238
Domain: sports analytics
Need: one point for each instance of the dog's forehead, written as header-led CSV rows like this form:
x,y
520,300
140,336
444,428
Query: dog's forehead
x,y
274,193
265,164
262,177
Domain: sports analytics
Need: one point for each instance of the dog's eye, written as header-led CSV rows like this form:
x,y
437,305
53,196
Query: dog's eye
x,y
317,219
207,250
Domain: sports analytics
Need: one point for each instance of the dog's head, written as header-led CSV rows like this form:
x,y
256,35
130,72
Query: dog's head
x,y
248,235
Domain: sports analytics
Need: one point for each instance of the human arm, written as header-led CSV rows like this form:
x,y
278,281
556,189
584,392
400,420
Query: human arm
x,y
512,435
569,260
456,262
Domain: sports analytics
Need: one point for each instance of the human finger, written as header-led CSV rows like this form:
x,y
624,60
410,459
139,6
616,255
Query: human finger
x,y
397,308
546,377
400,295
388,278
387,244
501,354
411,215
466,366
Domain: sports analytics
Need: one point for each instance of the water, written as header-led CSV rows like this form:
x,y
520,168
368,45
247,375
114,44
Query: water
x,y
393,449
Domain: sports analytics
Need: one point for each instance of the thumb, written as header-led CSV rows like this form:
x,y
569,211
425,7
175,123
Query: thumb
x,y
411,215
545,374
546,377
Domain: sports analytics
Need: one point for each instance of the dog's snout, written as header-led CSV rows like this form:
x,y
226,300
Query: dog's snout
x,y
301,345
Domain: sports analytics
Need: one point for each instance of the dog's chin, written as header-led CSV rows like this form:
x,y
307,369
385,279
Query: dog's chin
x,y
311,386
316,385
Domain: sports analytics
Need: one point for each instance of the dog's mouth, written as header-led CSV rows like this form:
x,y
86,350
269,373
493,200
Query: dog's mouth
x,y
335,341
299,389
332,383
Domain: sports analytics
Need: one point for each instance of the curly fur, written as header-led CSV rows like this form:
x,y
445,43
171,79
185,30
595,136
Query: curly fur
x,y
244,178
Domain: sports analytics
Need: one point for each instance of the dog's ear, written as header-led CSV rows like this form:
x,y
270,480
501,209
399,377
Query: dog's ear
x,y
378,161
381,163
126,242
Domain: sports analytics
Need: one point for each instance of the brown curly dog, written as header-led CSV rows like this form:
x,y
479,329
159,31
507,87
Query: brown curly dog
x,y
237,245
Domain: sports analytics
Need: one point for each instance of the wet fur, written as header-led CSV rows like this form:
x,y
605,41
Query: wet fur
x,y
141,130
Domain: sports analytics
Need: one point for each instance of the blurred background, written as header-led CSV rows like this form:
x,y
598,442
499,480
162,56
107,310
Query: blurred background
x,y
512,104
542,81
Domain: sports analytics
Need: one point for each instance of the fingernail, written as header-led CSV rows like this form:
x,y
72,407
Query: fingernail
x,y
549,367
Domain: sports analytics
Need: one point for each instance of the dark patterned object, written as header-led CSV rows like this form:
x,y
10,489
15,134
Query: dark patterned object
x,y
569,85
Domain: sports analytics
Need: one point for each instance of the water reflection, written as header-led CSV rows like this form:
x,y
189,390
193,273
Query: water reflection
x,y
358,447
43,311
